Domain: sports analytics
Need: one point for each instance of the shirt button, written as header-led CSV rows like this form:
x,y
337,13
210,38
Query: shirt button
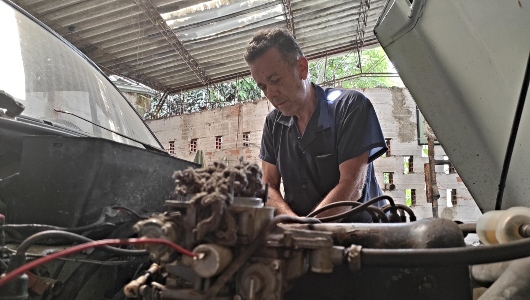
x,y
299,137
303,186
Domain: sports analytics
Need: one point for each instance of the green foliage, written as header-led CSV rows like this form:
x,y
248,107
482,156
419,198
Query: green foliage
x,y
425,151
346,70
406,164
408,197
213,96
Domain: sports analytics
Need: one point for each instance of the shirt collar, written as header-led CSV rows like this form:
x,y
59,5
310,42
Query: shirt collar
x,y
323,121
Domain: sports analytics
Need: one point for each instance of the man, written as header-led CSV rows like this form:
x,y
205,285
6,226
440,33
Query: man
x,y
320,142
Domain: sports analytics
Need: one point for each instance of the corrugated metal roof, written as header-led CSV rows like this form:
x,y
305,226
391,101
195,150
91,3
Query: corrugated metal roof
x,y
177,45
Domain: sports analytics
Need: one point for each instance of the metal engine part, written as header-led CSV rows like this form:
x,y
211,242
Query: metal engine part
x,y
243,252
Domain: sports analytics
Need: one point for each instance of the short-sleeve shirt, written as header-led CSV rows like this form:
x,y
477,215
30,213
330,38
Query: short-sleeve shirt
x,y
343,126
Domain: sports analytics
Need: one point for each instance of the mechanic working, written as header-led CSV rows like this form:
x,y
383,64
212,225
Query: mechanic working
x,y
320,142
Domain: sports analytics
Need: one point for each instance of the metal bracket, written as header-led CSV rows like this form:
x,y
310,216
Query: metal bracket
x,y
353,257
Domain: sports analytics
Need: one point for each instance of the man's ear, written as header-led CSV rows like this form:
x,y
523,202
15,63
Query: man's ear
x,y
303,67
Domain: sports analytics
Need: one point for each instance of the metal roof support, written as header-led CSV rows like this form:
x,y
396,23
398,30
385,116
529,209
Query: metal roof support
x,y
361,25
152,13
160,104
289,16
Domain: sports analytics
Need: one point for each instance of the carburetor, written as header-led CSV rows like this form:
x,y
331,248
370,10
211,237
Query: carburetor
x,y
223,217
242,251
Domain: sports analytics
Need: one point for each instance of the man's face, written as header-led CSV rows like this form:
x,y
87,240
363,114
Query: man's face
x,y
281,82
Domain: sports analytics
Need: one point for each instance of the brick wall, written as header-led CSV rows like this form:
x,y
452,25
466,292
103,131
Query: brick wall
x,y
397,114
230,123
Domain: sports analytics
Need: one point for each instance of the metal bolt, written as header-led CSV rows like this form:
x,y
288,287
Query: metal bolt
x,y
275,265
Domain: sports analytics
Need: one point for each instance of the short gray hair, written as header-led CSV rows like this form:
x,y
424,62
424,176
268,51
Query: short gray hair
x,y
278,38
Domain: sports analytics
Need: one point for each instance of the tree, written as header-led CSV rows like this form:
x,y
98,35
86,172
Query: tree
x,y
350,71
366,69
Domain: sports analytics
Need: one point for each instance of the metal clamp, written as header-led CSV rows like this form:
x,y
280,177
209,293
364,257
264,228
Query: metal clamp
x,y
353,256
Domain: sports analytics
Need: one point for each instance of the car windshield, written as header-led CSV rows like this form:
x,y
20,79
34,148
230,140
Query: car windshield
x,y
45,74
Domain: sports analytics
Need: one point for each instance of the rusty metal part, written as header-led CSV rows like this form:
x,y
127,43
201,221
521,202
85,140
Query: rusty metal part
x,y
261,281
243,257
353,257
213,260
215,204
39,285
425,233
132,289
214,188
159,227
217,177
320,260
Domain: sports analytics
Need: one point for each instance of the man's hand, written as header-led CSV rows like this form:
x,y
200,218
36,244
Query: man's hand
x,y
271,175
350,187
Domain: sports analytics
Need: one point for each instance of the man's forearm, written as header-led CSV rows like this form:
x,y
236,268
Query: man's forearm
x,y
353,174
276,200
341,192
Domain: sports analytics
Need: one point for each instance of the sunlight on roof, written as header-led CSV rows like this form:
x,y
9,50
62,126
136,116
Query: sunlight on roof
x,y
195,8
214,18
278,9
244,11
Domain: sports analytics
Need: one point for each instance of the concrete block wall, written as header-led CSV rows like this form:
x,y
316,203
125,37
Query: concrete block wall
x,y
229,122
397,114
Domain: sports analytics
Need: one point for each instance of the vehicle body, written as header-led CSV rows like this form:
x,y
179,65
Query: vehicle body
x,y
58,147
59,165
239,250
464,64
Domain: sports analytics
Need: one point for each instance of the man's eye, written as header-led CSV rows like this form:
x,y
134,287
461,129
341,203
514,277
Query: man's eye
x,y
276,80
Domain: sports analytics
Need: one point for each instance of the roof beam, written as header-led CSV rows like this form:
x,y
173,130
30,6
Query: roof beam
x,y
152,13
246,73
289,16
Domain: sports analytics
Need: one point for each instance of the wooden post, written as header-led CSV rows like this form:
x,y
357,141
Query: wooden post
x,y
427,171
433,194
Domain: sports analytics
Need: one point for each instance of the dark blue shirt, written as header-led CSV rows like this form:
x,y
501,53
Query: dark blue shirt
x,y
343,126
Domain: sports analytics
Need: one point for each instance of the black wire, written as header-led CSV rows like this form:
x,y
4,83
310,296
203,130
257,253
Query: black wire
x,y
412,258
51,227
349,203
375,218
380,214
87,261
333,205
357,209
128,210
513,135
409,211
99,223
44,235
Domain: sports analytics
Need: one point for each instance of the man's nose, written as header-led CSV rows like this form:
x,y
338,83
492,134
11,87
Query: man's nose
x,y
271,93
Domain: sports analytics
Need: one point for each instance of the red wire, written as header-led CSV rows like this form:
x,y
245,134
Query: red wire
x,y
95,244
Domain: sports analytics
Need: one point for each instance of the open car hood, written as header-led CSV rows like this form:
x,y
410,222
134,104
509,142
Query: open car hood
x,y
464,63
